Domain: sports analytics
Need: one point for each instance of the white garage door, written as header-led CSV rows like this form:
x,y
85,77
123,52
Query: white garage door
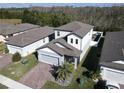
x,y
49,59
114,76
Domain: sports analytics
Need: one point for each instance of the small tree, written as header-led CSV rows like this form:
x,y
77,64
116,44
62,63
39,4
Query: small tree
x,y
64,71
16,57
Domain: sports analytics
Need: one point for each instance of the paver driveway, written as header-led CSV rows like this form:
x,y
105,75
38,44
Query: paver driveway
x,y
38,76
5,59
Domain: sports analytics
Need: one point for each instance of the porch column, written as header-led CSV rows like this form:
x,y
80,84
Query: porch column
x,y
75,63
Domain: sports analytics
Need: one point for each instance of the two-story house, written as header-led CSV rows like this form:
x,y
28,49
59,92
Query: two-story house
x,y
71,43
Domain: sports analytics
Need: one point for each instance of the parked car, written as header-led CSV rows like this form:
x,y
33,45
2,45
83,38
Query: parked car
x,y
112,85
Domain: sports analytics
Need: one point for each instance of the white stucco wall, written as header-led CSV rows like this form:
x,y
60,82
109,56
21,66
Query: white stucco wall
x,y
74,37
86,40
62,34
32,47
14,49
112,75
24,51
2,38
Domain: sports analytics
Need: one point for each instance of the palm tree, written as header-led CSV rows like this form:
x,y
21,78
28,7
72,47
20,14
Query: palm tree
x,y
64,71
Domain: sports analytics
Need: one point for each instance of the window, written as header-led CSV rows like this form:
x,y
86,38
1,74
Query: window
x,y
10,35
71,40
58,33
44,40
76,41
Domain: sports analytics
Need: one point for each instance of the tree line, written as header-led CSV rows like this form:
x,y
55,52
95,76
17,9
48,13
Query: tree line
x,y
102,18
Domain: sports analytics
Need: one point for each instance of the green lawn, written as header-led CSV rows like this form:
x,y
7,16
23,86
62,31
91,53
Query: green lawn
x,y
74,85
17,70
3,87
11,21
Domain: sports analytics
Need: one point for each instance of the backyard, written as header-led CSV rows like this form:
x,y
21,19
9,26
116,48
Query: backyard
x,y
17,69
90,62
11,21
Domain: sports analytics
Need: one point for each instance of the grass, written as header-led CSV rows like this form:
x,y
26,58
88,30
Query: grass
x,y
17,70
11,21
2,47
74,84
3,86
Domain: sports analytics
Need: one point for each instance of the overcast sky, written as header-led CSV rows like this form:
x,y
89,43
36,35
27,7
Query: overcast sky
x,y
8,5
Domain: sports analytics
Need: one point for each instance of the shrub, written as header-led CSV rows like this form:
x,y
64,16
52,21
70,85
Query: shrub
x,y
64,71
6,50
16,57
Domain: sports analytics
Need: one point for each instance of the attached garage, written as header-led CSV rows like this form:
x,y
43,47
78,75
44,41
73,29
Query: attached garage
x,y
48,56
49,59
113,75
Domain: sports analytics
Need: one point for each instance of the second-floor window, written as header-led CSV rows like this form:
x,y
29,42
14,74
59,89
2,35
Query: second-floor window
x,y
76,41
58,33
71,40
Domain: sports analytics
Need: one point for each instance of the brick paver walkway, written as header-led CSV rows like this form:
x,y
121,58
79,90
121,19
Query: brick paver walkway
x,y
38,76
5,59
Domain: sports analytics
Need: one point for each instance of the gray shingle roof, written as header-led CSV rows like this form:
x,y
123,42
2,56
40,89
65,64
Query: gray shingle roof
x,y
6,29
68,50
26,26
30,36
78,28
113,49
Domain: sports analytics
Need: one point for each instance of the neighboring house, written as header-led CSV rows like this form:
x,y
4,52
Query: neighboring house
x,y
8,30
27,43
112,57
4,30
74,43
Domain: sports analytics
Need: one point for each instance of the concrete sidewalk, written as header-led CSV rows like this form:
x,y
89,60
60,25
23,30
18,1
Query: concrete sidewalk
x,y
11,84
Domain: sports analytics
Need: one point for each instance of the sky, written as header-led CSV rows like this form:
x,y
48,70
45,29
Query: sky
x,y
21,5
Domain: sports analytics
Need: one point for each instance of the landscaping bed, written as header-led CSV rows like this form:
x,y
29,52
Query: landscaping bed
x,y
17,69
74,84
